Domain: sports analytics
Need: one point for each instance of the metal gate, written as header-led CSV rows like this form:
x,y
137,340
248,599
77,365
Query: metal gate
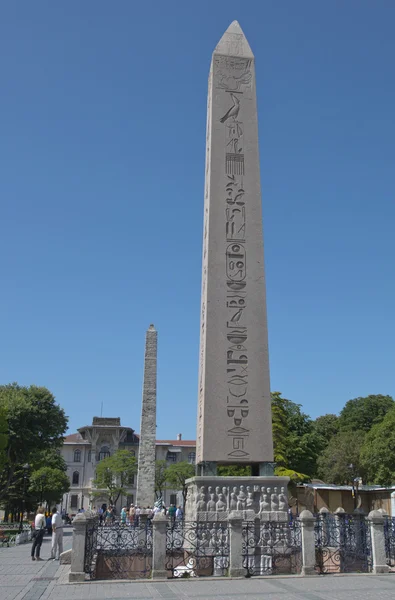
x,y
197,549
271,547
389,538
118,551
343,544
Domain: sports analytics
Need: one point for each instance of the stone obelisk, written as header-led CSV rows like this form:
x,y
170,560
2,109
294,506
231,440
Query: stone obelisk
x,y
234,407
146,464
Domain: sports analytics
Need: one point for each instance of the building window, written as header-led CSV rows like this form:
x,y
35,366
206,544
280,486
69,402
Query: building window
x,y
131,480
77,455
173,499
171,456
73,501
90,456
104,452
129,500
76,478
192,458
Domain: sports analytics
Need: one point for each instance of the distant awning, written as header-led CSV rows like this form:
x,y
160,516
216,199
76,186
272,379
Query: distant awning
x,y
174,450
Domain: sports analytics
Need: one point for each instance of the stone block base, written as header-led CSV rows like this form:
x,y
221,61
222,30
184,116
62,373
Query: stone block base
x,y
75,577
237,573
65,558
380,569
212,498
159,574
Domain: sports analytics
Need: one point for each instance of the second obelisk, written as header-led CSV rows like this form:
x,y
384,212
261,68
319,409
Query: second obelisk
x,y
146,464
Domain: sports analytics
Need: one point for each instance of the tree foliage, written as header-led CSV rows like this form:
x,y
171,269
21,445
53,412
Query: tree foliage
x,y
3,437
343,450
50,484
378,451
35,423
176,476
114,474
325,428
234,470
360,414
295,443
160,477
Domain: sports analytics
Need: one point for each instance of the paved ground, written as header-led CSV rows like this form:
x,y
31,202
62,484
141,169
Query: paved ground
x,y
22,579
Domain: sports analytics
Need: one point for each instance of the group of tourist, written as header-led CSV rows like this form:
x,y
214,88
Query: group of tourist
x,y
54,525
131,516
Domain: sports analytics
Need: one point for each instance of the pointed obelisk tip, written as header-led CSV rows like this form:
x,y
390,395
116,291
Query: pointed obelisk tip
x,y
234,42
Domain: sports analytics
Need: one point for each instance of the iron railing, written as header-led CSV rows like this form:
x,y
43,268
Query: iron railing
x,y
271,547
343,543
197,549
118,551
389,540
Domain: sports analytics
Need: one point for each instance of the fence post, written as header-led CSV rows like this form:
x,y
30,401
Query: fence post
x,y
159,529
308,543
376,522
236,545
78,548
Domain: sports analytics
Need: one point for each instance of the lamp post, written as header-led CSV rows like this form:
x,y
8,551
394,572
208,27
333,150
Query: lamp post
x,y
25,468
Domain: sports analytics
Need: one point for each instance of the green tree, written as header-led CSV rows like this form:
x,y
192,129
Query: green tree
x,y
3,437
177,474
234,470
343,450
114,474
48,484
326,427
35,423
378,451
295,443
160,477
360,414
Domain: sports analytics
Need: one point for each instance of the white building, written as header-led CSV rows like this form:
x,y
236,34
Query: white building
x,y
92,443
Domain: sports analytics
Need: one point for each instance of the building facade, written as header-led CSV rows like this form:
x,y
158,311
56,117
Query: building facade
x,y
84,449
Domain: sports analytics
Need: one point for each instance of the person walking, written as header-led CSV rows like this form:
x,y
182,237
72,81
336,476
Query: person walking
x,y
172,512
57,534
132,514
48,523
179,513
123,515
38,533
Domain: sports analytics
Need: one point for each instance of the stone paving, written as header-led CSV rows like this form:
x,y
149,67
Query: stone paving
x,y
23,579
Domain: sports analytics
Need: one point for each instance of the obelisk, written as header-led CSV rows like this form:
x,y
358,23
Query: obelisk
x,y
146,464
234,406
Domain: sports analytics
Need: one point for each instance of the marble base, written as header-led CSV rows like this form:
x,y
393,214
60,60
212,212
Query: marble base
x,y
212,499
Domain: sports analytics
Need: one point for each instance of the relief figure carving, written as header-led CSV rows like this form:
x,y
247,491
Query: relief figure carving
x,y
282,500
233,110
232,73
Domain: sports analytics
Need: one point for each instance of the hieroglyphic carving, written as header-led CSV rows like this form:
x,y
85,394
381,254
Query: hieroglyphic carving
x,y
233,74
237,409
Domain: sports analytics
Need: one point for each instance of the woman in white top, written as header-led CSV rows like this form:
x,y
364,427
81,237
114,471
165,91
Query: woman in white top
x,y
38,533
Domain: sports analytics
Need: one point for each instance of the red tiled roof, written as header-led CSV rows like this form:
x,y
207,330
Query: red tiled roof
x,y
177,442
75,438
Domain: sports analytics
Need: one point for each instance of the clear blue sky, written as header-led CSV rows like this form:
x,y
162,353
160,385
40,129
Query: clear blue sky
x,y
102,121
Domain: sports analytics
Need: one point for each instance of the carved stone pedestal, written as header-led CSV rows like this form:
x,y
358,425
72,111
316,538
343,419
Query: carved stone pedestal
x,y
214,498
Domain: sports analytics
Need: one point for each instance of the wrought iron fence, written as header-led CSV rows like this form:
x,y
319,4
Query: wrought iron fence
x,y
118,551
197,549
389,539
271,547
343,544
